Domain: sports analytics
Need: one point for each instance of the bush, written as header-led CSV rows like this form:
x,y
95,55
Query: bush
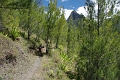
x,y
14,33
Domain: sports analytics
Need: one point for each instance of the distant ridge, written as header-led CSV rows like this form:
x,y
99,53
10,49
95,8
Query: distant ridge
x,y
75,16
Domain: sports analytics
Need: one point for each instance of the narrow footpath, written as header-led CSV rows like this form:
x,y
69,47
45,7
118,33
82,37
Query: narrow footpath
x,y
32,70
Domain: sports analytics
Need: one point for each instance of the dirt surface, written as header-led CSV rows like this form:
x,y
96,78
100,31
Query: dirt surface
x,y
49,69
32,70
28,65
21,71
26,61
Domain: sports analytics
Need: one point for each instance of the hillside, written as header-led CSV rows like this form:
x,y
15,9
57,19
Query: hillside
x,y
24,64
37,43
15,58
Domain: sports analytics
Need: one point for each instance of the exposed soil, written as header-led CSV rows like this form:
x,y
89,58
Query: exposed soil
x,y
32,70
25,63
28,66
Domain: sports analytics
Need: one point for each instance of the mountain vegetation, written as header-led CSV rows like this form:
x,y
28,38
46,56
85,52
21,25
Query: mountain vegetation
x,y
84,48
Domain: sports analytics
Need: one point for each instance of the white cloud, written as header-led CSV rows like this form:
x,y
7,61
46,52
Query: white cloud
x,y
81,10
64,0
67,13
94,1
117,8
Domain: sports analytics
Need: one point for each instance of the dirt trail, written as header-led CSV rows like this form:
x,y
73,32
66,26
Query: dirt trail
x,y
32,70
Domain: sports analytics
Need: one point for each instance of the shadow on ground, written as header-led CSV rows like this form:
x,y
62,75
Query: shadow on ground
x,y
37,53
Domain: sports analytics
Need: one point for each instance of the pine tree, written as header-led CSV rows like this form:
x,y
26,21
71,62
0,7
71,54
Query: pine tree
x,y
60,23
53,14
93,54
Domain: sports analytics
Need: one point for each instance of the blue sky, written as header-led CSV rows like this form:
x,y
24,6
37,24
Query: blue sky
x,y
68,4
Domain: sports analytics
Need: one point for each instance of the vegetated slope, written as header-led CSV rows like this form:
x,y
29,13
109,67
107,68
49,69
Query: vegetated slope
x,y
15,59
50,68
25,65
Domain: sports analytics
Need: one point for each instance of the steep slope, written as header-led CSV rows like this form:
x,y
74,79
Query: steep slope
x,y
15,58
26,65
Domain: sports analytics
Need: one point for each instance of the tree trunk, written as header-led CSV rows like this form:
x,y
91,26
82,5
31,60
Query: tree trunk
x,y
47,41
98,19
29,34
57,40
47,49
57,43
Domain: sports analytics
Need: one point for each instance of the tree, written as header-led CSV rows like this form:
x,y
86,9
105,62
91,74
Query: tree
x,y
10,19
60,23
52,16
94,51
22,5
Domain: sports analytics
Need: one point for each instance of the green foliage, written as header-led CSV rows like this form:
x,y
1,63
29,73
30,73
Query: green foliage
x,y
60,24
92,46
14,33
64,57
10,20
66,62
52,29
98,59
38,21
96,45
97,50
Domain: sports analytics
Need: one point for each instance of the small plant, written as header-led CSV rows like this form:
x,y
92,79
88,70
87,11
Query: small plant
x,y
14,33
64,57
64,67
51,73
23,34
65,61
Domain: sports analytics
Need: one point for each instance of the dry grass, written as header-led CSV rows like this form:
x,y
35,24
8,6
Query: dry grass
x,y
23,58
49,65
6,48
49,69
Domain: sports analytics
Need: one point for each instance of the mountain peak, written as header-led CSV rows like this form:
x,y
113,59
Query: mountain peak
x,y
74,15
74,11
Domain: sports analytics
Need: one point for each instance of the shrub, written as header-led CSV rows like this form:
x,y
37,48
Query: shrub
x,y
14,33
